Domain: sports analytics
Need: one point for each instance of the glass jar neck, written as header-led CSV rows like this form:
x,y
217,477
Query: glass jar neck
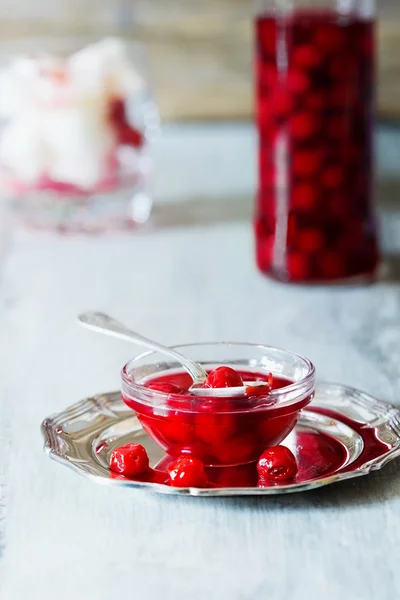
x,y
365,9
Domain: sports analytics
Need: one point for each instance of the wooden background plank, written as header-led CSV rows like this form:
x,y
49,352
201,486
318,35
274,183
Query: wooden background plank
x,y
199,53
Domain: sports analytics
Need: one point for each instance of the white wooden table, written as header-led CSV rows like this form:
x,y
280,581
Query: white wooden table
x,y
66,538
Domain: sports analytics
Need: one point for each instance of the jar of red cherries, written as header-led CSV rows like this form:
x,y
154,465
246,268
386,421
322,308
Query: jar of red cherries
x,y
315,85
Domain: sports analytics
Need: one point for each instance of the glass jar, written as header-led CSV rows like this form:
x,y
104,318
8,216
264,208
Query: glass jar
x,y
315,88
77,127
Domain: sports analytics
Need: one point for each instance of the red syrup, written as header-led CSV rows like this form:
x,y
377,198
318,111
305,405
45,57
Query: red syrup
x,y
125,133
317,455
218,431
314,217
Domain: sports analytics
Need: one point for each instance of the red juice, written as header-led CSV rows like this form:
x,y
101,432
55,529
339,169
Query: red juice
x,y
314,218
219,431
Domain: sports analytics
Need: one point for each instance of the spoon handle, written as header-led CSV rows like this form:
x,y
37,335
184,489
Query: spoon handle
x,y
102,323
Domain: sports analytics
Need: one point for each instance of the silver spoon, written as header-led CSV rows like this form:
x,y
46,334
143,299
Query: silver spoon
x,y
103,323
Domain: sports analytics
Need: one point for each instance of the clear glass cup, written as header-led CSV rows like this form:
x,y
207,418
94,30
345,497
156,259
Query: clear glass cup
x,y
225,432
113,189
315,87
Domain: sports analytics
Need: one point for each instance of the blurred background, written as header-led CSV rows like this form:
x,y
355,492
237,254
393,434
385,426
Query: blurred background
x,y
199,52
199,63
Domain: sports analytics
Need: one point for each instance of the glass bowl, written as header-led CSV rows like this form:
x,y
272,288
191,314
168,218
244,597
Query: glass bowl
x,y
219,431
64,165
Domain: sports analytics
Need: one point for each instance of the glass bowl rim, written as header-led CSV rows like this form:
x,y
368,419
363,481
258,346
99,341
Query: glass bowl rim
x,y
304,386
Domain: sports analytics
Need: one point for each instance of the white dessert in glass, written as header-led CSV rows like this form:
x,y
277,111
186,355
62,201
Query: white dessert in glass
x,y
75,136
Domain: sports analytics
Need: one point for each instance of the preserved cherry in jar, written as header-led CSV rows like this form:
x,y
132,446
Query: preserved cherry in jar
x,y
314,217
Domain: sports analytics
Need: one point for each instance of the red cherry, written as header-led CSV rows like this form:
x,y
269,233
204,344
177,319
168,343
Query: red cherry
x,y
332,265
129,460
223,377
303,125
239,449
310,240
169,430
258,390
187,472
281,103
297,267
332,177
316,100
212,425
306,163
307,56
298,82
277,464
330,37
305,196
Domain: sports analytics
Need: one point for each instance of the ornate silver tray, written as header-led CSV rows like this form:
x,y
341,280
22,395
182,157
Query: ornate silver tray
x,y
344,433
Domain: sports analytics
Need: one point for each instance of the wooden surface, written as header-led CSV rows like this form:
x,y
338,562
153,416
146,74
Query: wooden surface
x,y
64,537
199,52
